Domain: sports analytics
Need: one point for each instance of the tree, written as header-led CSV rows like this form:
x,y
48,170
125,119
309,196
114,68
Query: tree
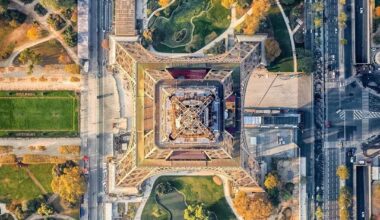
x,y
34,32
74,16
72,68
163,3
244,3
147,35
288,2
228,3
164,188
306,64
30,57
70,36
7,51
3,6
45,210
70,185
271,181
317,22
252,208
318,6
342,18
319,213
241,203
272,49
251,24
260,9
342,2
343,41
196,212
344,203
342,172
377,11
58,4
259,208
64,59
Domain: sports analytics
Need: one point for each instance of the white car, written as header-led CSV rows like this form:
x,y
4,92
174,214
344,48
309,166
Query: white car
x,y
361,10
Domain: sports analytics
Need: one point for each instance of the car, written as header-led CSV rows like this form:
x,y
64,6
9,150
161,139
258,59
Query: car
x,y
361,162
353,159
361,10
363,214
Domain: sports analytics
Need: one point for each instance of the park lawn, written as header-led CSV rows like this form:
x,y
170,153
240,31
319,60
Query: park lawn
x,y
280,32
197,189
186,26
215,20
49,51
63,208
15,184
39,112
174,201
43,173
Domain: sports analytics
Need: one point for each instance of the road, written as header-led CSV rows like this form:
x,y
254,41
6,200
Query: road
x,y
362,192
96,138
361,31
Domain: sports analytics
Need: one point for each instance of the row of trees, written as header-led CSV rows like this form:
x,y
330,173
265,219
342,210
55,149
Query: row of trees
x,y
344,203
28,207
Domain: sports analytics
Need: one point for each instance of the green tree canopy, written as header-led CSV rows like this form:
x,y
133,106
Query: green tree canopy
x,y
196,212
3,6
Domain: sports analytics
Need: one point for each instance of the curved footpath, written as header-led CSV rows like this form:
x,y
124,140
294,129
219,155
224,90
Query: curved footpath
x,y
150,182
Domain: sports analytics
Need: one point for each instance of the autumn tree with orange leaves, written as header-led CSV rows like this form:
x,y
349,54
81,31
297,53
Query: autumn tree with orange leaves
x,y
227,3
163,3
257,207
260,9
34,32
70,185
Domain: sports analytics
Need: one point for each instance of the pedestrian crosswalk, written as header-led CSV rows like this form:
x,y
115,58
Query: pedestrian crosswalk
x,y
358,114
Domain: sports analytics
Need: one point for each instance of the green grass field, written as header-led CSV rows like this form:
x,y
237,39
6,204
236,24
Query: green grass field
x,y
15,184
43,173
174,201
284,62
41,113
187,26
196,190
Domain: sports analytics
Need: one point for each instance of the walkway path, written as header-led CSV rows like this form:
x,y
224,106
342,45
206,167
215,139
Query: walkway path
x,y
146,21
17,50
150,182
20,145
230,30
286,20
29,10
55,216
35,180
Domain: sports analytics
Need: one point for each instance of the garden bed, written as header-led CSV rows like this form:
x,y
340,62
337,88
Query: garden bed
x,y
187,26
199,189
